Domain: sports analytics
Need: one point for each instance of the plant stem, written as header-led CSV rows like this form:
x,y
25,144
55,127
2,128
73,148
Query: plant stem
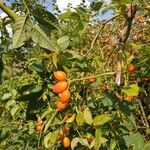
x,y
99,31
93,76
8,11
39,140
143,114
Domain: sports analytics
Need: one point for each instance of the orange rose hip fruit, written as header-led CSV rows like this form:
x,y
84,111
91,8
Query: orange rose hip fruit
x,y
60,87
66,142
60,75
65,96
61,106
131,68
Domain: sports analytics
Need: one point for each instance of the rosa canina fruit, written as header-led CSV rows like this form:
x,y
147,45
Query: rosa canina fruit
x,y
131,68
66,142
60,87
60,75
92,80
66,130
65,96
61,106
129,98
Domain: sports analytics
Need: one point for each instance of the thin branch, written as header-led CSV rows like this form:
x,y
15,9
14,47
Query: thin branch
x,y
93,76
143,114
123,37
99,31
11,14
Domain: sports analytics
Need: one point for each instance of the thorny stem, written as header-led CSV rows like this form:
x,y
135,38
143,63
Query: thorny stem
x,y
8,11
93,76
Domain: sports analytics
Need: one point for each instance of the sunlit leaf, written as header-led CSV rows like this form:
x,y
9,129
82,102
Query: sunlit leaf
x,y
42,39
88,116
22,31
50,139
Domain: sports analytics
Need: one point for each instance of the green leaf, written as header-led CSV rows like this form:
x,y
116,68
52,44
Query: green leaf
x,y
37,67
75,141
71,119
22,31
43,40
80,118
136,140
146,147
46,18
70,15
46,113
50,120
101,119
96,6
55,60
10,103
6,96
63,42
88,116
14,110
97,139
113,144
124,108
50,139
132,90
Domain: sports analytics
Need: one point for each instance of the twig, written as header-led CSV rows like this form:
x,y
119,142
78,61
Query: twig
x,y
123,37
8,11
99,31
93,76
143,114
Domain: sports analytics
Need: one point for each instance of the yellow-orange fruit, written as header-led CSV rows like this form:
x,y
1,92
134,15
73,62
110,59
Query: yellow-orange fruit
x,y
65,96
66,142
66,130
61,106
60,87
92,80
131,68
60,75
129,98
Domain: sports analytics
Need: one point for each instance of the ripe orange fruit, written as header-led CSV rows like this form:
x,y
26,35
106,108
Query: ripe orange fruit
x,y
92,80
60,75
60,87
66,142
65,96
39,127
66,130
129,98
61,106
131,68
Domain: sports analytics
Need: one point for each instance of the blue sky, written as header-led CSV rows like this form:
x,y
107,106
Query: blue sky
x,y
63,3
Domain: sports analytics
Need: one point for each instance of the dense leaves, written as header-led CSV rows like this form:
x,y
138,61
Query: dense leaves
x,y
99,113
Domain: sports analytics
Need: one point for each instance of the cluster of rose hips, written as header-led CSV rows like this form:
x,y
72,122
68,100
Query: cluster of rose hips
x,y
63,137
61,88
